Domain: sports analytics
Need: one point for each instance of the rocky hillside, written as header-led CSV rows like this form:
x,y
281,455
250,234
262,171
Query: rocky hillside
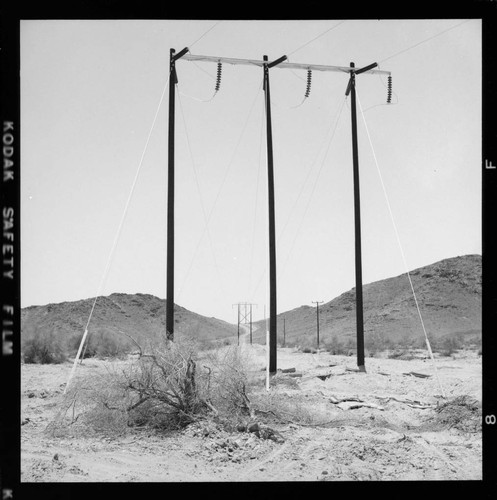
x,y
140,315
448,293
449,297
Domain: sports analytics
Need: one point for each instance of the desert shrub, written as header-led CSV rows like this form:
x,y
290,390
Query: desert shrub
x,y
168,387
100,344
462,412
164,388
284,409
111,346
399,353
448,345
43,349
93,404
336,347
228,384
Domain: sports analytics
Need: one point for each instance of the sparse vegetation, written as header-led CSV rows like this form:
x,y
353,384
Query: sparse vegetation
x,y
169,386
462,412
43,349
448,345
336,347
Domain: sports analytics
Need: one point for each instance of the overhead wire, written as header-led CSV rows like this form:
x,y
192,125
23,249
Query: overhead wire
x,y
400,244
256,204
220,281
315,38
333,128
422,41
315,184
225,176
208,31
309,171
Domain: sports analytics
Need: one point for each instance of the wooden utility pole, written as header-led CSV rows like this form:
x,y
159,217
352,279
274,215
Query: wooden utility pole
x,y
317,319
272,231
173,80
284,332
357,214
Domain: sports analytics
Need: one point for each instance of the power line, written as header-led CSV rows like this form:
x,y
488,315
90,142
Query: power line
x,y
256,201
227,170
220,281
315,38
208,31
423,41
334,127
314,185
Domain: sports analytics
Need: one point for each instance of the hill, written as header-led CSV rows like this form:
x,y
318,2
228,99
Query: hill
x,y
448,294
449,298
142,316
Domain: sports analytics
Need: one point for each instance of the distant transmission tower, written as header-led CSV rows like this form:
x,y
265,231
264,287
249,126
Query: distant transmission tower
x,y
244,317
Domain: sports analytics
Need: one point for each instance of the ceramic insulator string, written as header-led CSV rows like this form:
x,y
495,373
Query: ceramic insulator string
x,y
219,73
309,78
389,89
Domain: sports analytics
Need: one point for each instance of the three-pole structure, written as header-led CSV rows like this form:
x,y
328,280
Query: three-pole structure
x,y
266,65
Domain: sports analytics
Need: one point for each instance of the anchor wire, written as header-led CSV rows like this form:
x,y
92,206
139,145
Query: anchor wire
x,y
117,236
400,247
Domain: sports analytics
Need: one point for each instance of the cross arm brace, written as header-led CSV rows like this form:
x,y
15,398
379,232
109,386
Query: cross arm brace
x,y
282,65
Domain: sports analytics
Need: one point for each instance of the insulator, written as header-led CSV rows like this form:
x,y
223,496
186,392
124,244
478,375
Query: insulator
x,y
219,71
308,88
389,89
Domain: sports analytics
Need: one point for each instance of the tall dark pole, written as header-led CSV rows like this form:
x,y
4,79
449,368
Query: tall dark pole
x,y
170,203
173,80
272,238
357,217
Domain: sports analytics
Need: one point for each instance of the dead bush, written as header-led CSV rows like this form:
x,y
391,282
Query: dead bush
x,y
283,409
168,386
462,412
228,385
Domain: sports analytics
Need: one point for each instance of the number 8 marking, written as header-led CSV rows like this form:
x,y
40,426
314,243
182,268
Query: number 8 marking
x,y
490,419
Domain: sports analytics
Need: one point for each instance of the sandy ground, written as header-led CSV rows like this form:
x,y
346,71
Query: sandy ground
x,y
379,425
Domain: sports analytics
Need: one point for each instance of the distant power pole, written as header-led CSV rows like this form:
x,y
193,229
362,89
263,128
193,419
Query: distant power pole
x,y
244,316
317,318
284,332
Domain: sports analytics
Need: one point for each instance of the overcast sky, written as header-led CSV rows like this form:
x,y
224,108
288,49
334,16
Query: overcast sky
x,y
90,91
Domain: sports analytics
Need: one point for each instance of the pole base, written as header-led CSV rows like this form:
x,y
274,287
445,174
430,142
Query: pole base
x,y
361,368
